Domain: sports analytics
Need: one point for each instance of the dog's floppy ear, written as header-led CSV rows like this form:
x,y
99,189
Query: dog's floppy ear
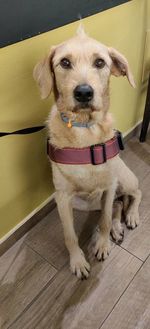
x,y
120,65
43,74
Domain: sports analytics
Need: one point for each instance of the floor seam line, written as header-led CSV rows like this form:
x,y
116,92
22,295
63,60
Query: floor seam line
x,y
129,252
120,296
34,299
41,256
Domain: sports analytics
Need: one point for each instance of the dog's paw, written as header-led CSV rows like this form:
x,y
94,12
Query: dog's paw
x,y
102,248
117,232
132,220
78,264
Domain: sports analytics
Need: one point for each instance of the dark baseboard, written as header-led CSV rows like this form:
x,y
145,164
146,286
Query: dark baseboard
x,y
134,132
22,230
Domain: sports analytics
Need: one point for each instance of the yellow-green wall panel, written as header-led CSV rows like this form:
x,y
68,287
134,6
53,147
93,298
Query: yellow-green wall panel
x,y
25,178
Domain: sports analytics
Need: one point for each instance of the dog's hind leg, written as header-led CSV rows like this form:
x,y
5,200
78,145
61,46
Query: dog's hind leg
x,y
126,202
132,216
117,231
129,186
102,237
78,263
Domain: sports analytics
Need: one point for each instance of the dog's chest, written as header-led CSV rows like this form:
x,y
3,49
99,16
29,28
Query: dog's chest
x,y
94,177
87,178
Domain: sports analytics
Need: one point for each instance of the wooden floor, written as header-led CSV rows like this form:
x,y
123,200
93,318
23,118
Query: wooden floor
x,y
37,289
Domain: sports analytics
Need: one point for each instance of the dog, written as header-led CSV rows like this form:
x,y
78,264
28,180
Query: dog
x,y
78,71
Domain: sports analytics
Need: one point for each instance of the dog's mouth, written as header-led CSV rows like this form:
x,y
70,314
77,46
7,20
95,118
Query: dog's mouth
x,y
85,106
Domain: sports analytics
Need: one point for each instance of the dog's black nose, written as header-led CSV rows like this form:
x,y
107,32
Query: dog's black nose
x,y
83,93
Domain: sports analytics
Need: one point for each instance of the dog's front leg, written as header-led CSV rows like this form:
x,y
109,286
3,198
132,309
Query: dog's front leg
x,y
78,263
102,237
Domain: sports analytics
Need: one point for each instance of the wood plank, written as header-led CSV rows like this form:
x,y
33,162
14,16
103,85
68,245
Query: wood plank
x,y
23,274
138,241
133,309
48,240
137,157
71,303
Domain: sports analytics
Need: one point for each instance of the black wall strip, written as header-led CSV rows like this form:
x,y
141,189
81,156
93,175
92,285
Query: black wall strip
x,y
22,19
24,131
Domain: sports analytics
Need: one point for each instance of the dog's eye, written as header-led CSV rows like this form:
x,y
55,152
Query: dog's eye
x,y
99,63
65,63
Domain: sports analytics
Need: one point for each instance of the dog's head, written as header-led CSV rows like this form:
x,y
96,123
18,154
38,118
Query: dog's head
x,y
78,71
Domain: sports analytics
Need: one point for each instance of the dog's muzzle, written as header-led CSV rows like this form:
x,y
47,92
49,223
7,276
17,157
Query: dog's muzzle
x,y
83,93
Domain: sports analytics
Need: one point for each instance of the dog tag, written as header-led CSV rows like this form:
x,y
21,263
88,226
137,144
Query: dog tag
x,y
69,124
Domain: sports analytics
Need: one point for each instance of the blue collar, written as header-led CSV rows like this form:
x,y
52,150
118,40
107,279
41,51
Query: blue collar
x,y
75,124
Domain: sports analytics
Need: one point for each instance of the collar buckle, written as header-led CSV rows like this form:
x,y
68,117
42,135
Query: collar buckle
x,y
92,148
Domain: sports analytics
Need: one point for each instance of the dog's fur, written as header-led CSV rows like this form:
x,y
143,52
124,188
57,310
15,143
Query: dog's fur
x,y
103,182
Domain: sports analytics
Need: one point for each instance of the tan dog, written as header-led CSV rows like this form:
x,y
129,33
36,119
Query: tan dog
x,y
70,65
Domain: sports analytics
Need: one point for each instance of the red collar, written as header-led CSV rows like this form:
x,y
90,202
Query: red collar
x,y
94,154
